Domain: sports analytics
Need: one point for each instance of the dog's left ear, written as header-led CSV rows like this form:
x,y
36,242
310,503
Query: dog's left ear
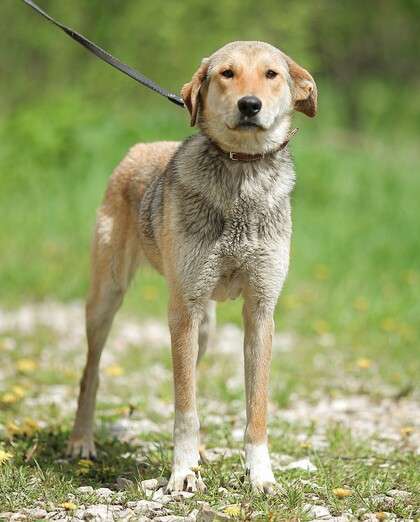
x,y
304,91
190,92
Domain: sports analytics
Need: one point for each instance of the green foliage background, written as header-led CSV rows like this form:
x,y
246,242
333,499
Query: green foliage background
x,y
67,119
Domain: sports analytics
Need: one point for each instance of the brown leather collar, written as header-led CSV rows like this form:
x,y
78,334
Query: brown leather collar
x,y
243,156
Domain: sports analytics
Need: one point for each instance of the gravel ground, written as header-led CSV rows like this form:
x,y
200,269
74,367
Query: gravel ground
x,y
39,341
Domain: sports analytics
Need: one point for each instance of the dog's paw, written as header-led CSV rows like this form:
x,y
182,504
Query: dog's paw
x,y
259,469
81,447
262,485
184,479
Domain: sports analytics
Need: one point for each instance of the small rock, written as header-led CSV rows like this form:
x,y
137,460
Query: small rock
x,y
303,464
85,490
318,512
17,517
153,484
143,507
207,514
398,494
383,502
103,492
36,513
181,495
98,513
124,514
124,483
193,515
161,496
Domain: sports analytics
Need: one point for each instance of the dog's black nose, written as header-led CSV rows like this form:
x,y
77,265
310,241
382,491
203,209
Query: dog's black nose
x,y
249,105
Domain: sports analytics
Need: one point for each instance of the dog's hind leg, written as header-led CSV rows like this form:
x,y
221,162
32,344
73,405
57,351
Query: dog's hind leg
x,y
206,329
114,260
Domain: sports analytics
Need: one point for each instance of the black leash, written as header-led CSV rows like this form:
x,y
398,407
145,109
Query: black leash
x,y
108,58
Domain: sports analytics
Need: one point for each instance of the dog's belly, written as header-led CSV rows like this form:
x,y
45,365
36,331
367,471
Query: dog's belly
x,y
229,286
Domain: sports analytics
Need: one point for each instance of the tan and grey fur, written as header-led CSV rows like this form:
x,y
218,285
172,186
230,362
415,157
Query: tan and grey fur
x,y
215,228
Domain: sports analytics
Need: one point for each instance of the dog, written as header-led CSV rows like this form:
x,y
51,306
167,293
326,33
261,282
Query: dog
x,y
212,214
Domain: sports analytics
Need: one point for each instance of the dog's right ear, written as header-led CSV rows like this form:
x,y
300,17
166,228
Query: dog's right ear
x,y
190,92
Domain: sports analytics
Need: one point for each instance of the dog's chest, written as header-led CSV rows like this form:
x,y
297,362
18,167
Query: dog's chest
x,y
234,226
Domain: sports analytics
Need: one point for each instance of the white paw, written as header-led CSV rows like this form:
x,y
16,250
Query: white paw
x,y
184,479
263,484
185,472
259,469
81,447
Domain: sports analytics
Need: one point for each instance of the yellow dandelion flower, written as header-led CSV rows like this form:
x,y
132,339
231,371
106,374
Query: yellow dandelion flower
x,y
234,510
360,304
380,515
9,398
5,456
68,506
30,426
363,363
321,272
85,463
26,365
342,492
321,327
406,431
84,466
114,371
13,429
18,391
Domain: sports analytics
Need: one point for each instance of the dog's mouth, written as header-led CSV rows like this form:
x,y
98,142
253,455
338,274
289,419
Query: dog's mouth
x,y
246,124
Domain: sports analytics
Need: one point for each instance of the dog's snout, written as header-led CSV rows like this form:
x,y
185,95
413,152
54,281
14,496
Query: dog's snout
x,y
249,105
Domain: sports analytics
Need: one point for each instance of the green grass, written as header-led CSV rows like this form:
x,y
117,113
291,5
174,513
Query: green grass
x,y
35,430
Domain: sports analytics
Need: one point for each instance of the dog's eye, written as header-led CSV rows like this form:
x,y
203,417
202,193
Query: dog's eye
x,y
227,73
270,74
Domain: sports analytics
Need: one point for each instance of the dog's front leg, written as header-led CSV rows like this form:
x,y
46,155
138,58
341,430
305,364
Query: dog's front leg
x,y
258,323
183,324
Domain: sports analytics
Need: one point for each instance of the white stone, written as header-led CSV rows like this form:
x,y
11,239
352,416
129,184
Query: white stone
x,y
398,494
153,484
98,513
318,512
143,507
303,464
181,495
103,492
35,513
124,514
85,490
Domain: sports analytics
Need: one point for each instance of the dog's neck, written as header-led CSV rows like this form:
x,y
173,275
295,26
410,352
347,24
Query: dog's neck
x,y
246,157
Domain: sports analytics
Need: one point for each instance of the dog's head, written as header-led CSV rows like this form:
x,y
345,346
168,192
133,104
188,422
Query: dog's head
x,y
244,94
